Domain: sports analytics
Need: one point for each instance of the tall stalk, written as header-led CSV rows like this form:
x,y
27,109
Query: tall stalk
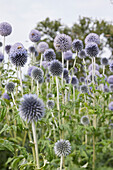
x,y
36,145
41,60
58,108
61,162
21,80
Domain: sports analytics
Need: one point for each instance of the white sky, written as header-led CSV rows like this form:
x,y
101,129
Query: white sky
x,y
23,15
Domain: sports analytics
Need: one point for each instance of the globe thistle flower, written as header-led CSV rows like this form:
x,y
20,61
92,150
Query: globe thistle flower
x,y
68,80
65,73
82,79
110,79
34,35
42,46
37,73
36,53
62,42
68,55
10,87
84,120
31,49
18,55
111,87
7,48
92,49
62,148
1,57
111,67
111,106
50,95
84,88
92,37
82,54
77,45
96,67
5,29
50,104
96,73
104,61
6,96
56,68
30,70
1,44
74,80
49,55
31,108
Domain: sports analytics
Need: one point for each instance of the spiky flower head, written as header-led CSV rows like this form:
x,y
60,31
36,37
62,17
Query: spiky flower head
x,y
92,49
111,106
18,55
68,55
111,67
1,57
84,120
37,73
104,61
65,73
1,44
31,49
31,108
49,55
7,48
50,95
5,29
62,148
34,35
56,68
92,37
110,79
30,70
82,54
77,45
50,104
10,87
6,96
74,80
82,79
42,46
62,42
84,88
96,67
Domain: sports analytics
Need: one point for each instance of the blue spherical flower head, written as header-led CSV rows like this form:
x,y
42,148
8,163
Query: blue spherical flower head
x,y
77,45
92,49
18,55
111,106
84,120
62,148
110,79
92,37
42,46
49,55
65,73
82,54
68,55
7,48
30,70
104,61
6,96
96,67
31,108
62,42
74,80
5,29
31,49
34,35
1,57
56,68
37,74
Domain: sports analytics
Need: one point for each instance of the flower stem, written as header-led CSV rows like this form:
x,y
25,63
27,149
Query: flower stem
x,y
35,142
21,80
37,88
61,162
58,108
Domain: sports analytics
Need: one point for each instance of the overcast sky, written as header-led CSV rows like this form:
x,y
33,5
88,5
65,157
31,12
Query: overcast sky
x,y
23,15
